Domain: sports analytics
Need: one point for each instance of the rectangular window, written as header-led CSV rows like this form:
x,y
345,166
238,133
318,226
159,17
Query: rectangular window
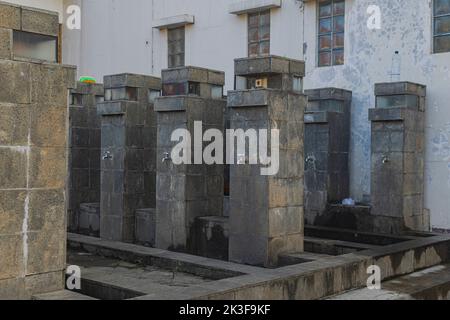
x,y
441,27
194,88
259,34
297,84
153,95
181,89
76,99
217,92
331,31
397,101
174,89
176,38
35,46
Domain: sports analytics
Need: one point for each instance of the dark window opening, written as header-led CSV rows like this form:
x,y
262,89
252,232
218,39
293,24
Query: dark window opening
x,y
125,93
35,46
174,89
194,88
76,99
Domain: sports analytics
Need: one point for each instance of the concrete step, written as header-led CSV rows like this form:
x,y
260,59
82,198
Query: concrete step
x,y
429,284
62,295
289,259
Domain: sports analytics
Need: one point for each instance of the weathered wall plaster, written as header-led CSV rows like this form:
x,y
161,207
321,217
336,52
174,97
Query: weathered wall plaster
x,y
368,60
117,36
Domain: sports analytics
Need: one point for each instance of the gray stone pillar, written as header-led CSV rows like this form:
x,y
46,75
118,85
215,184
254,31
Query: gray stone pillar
x,y
327,140
187,191
33,157
266,212
84,156
128,152
398,126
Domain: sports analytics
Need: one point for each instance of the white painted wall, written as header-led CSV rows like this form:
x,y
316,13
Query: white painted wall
x,y
117,36
217,37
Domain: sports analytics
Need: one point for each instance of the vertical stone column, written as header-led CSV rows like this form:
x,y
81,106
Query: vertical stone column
x,y
327,140
33,160
187,191
128,131
266,212
84,156
398,126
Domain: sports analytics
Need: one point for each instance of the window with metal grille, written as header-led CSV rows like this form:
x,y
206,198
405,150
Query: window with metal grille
x,y
176,47
441,27
259,33
331,31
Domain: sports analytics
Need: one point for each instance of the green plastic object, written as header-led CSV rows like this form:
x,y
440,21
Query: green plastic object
x,y
88,80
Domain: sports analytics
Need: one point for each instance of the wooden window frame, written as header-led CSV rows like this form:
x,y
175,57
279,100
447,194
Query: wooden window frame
x,y
260,41
331,34
435,34
181,53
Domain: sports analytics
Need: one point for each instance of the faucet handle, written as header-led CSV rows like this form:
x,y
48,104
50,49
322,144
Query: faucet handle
x,y
166,157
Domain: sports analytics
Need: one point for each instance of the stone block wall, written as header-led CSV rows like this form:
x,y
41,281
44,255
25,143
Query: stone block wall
x,y
18,18
267,212
33,163
84,150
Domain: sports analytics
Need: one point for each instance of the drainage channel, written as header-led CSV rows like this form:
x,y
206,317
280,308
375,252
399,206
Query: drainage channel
x,y
105,291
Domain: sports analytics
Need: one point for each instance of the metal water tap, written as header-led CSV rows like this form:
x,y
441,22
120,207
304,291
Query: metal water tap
x,y
310,159
166,157
385,159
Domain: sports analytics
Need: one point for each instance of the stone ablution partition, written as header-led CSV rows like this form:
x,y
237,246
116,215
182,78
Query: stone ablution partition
x,y
128,154
266,211
84,159
192,100
327,141
396,203
33,153
398,150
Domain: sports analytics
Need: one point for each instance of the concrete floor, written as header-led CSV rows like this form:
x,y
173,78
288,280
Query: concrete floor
x,y
99,272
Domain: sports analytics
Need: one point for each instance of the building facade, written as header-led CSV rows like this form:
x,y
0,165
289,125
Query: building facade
x,y
346,44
